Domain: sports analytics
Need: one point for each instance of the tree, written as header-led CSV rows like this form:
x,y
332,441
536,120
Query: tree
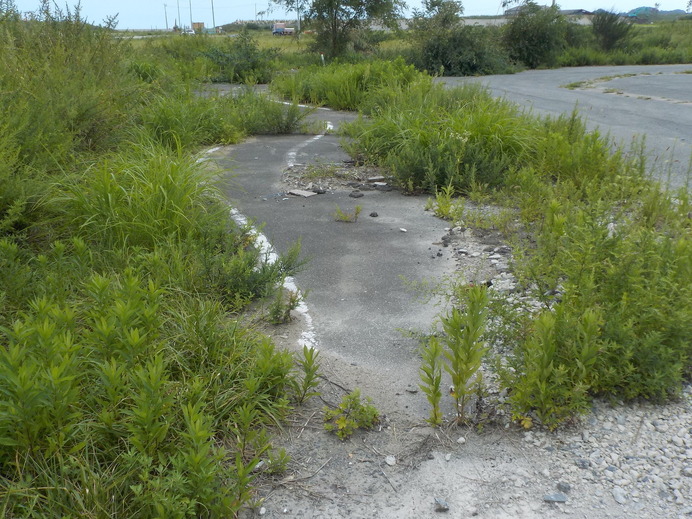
x,y
437,16
535,35
610,29
337,21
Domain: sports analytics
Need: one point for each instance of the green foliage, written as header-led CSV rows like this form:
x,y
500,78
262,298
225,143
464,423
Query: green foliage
x,y
121,372
429,137
284,302
351,414
461,51
556,368
338,21
240,60
610,29
431,377
309,380
464,347
65,88
341,216
444,205
666,42
92,393
342,86
637,273
536,35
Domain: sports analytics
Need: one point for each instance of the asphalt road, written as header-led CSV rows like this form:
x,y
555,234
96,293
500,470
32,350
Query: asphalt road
x,y
628,102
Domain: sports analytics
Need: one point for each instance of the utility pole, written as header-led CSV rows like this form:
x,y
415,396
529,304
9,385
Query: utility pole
x,y
165,11
213,18
190,14
179,18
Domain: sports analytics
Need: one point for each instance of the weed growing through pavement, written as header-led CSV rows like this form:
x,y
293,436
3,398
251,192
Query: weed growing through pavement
x,y
342,216
304,387
351,414
431,377
284,302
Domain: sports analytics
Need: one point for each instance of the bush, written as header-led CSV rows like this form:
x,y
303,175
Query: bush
x,y
240,60
635,272
464,51
610,29
535,36
67,92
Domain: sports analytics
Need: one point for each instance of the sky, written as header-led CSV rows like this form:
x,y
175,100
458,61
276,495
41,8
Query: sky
x,y
152,14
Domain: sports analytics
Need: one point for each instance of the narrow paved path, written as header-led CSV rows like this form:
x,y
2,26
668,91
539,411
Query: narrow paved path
x,y
359,275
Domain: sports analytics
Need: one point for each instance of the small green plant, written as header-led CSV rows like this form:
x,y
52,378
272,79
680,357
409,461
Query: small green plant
x,y
465,348
351,414
557,367
341,216
309,365
278,460
431,376
284,302
444,202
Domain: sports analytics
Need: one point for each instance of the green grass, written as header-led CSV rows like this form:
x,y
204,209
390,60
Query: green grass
x,y
592,227
128,386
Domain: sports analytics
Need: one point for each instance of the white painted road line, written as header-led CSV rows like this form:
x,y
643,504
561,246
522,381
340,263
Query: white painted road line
x,y
293,152
308,337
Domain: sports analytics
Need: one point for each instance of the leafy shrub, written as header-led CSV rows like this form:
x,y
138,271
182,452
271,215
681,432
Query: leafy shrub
x,y
636,274
94,399
555,367
610,29
68,93
464,346
465,51
240,60
536,35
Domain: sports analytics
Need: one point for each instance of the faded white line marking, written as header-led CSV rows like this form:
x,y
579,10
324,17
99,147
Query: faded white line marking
x,y
306,106
293,152
308,337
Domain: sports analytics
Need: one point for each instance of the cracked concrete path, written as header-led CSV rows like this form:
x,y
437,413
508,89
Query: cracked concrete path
x,y
359,275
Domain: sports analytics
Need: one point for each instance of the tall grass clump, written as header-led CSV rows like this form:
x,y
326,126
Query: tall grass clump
x,y
127,388
343,86
432,138
206,58
65,90
184,119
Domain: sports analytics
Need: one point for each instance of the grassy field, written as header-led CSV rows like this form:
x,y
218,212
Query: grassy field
x,y
129,386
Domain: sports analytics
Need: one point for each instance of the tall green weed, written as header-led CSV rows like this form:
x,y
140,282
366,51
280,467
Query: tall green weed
x,y
343,86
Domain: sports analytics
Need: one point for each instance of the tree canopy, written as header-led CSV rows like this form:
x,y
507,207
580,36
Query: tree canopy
x,y
337,21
